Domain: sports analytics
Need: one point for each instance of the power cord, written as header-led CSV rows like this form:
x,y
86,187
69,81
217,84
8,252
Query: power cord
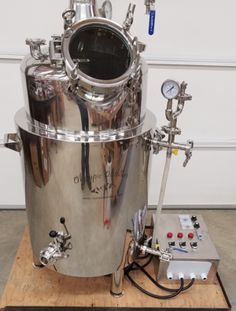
x,y
175,291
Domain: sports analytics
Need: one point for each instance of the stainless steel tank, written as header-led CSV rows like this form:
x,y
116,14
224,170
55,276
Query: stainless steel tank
x,y
82,131
85,138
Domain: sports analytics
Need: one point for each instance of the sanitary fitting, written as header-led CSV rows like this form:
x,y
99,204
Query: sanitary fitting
x,y
57,248
171,130
35,48
164,255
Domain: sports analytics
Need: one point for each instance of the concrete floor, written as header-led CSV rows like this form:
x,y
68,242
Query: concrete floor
x,y
221,225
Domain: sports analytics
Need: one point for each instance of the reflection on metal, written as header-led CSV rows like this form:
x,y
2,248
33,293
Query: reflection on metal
x,y
171,130
83,9
85,137
84,122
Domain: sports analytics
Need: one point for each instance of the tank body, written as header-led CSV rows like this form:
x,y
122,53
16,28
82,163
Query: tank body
x,y
84,156
97,187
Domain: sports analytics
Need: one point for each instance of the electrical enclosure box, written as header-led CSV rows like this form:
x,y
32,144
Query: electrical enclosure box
x,y
194,254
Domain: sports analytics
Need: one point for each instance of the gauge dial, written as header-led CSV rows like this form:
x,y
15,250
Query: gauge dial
x,y
170,89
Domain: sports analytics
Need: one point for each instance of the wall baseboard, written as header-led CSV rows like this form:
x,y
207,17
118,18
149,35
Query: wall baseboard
x,y
151,207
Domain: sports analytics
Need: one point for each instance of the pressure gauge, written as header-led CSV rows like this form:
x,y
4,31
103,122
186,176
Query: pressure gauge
x,y
170,89
107,9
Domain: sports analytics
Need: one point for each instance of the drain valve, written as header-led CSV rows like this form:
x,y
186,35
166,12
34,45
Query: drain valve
x,y
57,248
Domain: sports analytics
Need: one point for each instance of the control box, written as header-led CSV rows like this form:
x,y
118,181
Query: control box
x,y
194,254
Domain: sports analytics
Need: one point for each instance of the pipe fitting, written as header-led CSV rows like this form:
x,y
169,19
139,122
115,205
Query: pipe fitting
x,y
57,248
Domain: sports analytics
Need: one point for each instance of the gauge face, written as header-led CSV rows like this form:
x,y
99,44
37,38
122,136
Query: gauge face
x,y
170,89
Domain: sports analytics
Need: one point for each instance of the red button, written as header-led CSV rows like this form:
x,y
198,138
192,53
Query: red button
x,y
180,235
169,235
190,235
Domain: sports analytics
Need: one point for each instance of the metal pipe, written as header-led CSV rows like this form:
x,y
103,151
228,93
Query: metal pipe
x,y
84,9
162,192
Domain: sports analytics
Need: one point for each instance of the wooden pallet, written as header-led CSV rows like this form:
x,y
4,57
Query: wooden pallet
x,y
32,289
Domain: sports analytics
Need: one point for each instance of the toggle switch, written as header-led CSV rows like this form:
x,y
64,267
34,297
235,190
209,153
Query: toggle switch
x,y
182,244
194,245
194,218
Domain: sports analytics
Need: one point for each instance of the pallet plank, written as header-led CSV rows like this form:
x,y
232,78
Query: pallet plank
x,y
29,287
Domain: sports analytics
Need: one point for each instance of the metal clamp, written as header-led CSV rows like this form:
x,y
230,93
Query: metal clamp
x,y
129,17
188,152
35,48
68,16
11,141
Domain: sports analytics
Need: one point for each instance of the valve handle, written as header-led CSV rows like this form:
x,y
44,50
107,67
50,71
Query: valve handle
x,y
151,26
53,234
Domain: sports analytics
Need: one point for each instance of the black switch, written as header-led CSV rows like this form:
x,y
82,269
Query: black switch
x,y
171,243
52,233
193,244
196,225
182,244
194,218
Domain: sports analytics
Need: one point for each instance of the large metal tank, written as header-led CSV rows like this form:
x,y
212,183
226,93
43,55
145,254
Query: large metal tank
x,y
82,131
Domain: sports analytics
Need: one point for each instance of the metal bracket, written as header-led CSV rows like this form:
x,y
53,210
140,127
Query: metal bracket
x,y
55,51
11,141
35,48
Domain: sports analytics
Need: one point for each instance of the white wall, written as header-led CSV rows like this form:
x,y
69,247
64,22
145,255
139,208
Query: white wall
x,y
193,42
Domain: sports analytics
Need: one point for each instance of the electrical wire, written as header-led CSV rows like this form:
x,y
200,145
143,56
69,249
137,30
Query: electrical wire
x,y
143,265
157,283
155,295
174,291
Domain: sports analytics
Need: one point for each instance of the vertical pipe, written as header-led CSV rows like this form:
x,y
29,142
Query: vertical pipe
x,y
84,9
162,192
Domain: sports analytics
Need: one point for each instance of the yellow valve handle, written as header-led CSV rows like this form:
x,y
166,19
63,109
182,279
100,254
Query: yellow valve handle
x,y
175,152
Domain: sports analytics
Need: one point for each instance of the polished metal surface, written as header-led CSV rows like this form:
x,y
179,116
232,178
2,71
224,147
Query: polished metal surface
x,y
83,9
96,187
204,252
83,137
49,100
41,129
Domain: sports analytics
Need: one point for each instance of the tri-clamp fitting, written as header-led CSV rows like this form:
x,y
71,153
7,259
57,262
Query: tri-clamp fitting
x,y
35,48
57,248
171,130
